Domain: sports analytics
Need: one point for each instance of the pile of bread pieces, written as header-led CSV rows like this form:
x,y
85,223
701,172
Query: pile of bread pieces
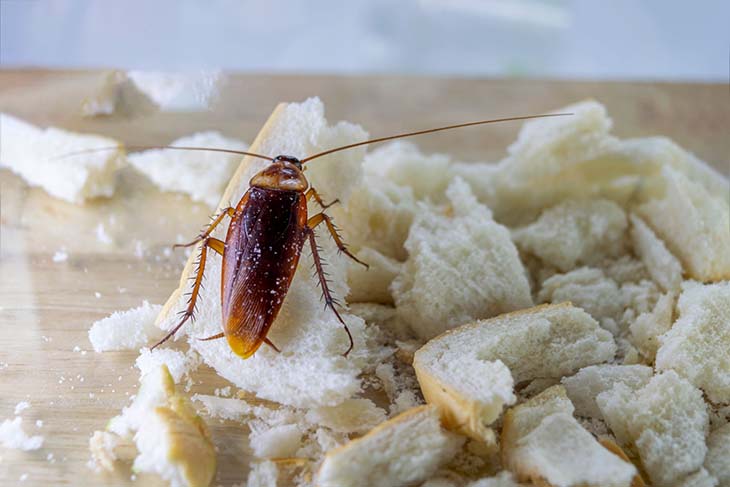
x,y
559,318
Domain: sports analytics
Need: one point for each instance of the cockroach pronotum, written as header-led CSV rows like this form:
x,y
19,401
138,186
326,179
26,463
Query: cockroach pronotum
x,y
265,237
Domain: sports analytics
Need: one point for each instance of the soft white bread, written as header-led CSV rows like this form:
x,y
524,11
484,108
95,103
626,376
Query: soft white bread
x,y
663,267
126,330
311,370
665,423
462,265
701,478
371,284
171,439
694,224
542,441
543,341
470,371
263,474
378,215
583,387
717,461
202,175
182,91
279,441
697,346
648,327
354,415
587,288
401,451
33,153
575,157
575,233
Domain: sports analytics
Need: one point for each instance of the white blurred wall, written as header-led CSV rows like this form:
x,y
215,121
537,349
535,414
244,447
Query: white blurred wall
x,y
627,39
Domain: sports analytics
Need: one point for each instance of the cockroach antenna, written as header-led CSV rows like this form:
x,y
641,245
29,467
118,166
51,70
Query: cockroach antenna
x,y
149,147
429,131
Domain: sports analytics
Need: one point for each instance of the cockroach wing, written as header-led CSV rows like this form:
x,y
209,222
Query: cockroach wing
x,y
263,246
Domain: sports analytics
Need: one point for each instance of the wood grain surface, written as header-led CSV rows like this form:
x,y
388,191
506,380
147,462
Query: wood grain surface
x,y
47,307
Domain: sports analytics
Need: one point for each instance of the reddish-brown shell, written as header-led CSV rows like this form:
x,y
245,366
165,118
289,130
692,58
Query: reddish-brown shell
x,y
262,250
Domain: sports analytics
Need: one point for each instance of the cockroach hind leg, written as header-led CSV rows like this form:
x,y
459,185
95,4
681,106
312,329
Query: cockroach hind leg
x,y
271,344
212,337
226,211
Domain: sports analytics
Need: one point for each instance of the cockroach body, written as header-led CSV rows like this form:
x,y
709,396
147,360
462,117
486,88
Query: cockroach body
x,y
267,232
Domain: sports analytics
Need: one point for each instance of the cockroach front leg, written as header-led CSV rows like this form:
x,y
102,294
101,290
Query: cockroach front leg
x,y
312,193
217,246
328,299
323,217
227,211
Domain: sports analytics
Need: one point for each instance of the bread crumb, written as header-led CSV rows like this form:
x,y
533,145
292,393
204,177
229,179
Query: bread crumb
x,y
275,442
101,234
60,256
21,406
442,283
12,436
126,330
704,312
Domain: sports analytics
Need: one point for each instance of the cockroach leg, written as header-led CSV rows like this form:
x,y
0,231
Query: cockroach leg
x,y
271,344
230,211
329,301
188,313
322,217
312,193
213,337
217,245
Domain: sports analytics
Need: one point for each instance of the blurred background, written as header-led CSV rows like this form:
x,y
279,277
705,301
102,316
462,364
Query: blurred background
x,y
619,39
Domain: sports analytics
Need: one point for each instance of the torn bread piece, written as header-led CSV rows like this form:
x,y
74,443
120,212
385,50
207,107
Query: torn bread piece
x,y
462,265
126,330
542,441
697,346
665,423
34,154
202,175
648,327
583,387
404,450
663,267
371,284
117,94
171,439
13,436
575,233
717,461
310,371
470,371
503,479
694,224
356,415
179,91
701,478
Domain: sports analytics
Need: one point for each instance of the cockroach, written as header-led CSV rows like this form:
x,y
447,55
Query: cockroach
x,y
265,237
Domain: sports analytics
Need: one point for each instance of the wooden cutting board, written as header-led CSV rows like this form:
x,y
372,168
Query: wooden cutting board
x,y
47,307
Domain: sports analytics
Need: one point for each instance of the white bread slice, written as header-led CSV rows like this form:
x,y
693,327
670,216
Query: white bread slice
x,y
717,461
461,266
694,224
179,91
279,441
697,346
311,370
648,327
126,330
371,284
665,423
378,215
542,441
583,387
663,267
463,371
401,451
33,153
200,174
575,233
587,288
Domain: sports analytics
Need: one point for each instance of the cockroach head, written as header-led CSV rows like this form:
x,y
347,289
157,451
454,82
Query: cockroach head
x,y
289,159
